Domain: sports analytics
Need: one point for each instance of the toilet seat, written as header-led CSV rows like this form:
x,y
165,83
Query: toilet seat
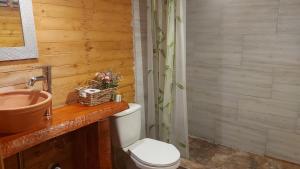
x,y
143,166
151,154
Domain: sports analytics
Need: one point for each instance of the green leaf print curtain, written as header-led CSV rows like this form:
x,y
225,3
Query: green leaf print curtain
x,y
167,107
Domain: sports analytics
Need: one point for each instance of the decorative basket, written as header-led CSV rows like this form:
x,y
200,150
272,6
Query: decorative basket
x,y
93,99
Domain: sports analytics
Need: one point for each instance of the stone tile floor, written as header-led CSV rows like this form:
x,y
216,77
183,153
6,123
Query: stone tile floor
x,y
204,155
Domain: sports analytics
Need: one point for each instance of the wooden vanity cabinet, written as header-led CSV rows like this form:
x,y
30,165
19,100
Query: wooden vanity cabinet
x,y
84,142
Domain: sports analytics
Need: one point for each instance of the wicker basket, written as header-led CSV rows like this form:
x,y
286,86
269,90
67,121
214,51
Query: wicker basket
x,y
94,99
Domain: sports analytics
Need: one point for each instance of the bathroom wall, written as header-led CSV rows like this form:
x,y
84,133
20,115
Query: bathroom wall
x,y
243,73
144,41
140,47
78,38
140,53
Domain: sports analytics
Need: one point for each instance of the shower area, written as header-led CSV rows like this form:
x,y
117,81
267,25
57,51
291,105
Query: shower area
x,y
243,82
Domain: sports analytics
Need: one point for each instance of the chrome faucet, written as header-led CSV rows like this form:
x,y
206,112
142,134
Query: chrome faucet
x,y
47,81
46,78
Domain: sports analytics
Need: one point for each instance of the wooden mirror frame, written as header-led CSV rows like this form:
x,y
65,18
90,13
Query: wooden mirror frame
x,y
29,50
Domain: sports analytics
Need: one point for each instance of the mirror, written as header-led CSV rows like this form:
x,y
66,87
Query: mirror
x,y
17,30
11,32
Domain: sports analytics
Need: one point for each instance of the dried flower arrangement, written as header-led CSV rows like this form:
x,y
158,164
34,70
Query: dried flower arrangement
x,y
103,88
107,80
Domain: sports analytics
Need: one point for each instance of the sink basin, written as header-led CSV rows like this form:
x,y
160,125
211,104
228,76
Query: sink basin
x,y
23,109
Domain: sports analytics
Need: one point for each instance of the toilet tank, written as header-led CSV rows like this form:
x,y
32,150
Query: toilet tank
x,y
126,126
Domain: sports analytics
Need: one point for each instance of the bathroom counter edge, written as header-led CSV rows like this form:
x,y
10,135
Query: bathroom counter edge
x,y
64,120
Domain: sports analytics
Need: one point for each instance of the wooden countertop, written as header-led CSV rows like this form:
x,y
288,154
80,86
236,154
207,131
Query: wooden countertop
x,y
64,120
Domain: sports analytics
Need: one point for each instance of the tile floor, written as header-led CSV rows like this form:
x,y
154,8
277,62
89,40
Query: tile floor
x,y
204,155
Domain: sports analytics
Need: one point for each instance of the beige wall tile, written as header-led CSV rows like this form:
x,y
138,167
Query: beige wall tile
x,y
286,75
264,121
222,99
252,140
241,3
233,80
243,74
201,123
286,92
227,134
204,16
283,145
203,128
215,49
269,106
230,134
289,2
298,126
286,50
265,114
249,17
289,16
216,111
258,49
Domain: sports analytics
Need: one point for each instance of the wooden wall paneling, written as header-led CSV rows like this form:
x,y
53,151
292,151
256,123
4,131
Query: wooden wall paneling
x,y
70,3
78,38
53,10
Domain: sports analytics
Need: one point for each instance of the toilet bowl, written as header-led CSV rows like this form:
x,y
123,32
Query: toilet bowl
x,y
145,153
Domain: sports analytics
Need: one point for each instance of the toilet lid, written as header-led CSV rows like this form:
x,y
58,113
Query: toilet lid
x,y
154,153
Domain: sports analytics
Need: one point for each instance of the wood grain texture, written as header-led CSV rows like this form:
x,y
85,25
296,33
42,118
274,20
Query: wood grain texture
x,y
92,146
80,148
78,38
104,142
58,150
64,120
11,162
76,150
1,162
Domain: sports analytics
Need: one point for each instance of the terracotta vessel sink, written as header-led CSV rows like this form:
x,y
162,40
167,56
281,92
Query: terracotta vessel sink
x,y
23,109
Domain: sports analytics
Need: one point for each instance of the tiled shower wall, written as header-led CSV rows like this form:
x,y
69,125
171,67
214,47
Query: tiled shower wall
x,y
140,53
243,68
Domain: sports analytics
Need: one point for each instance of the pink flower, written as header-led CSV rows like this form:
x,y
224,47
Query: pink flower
x,y
107,77
100,76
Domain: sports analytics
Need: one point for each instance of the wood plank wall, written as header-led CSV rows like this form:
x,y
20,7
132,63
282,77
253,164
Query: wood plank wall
x,y
78,38
10,27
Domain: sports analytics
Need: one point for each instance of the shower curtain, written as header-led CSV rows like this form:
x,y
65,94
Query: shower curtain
x,y
167,106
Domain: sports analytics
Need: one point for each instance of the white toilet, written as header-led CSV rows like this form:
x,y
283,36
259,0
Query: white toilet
x,y
145,153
